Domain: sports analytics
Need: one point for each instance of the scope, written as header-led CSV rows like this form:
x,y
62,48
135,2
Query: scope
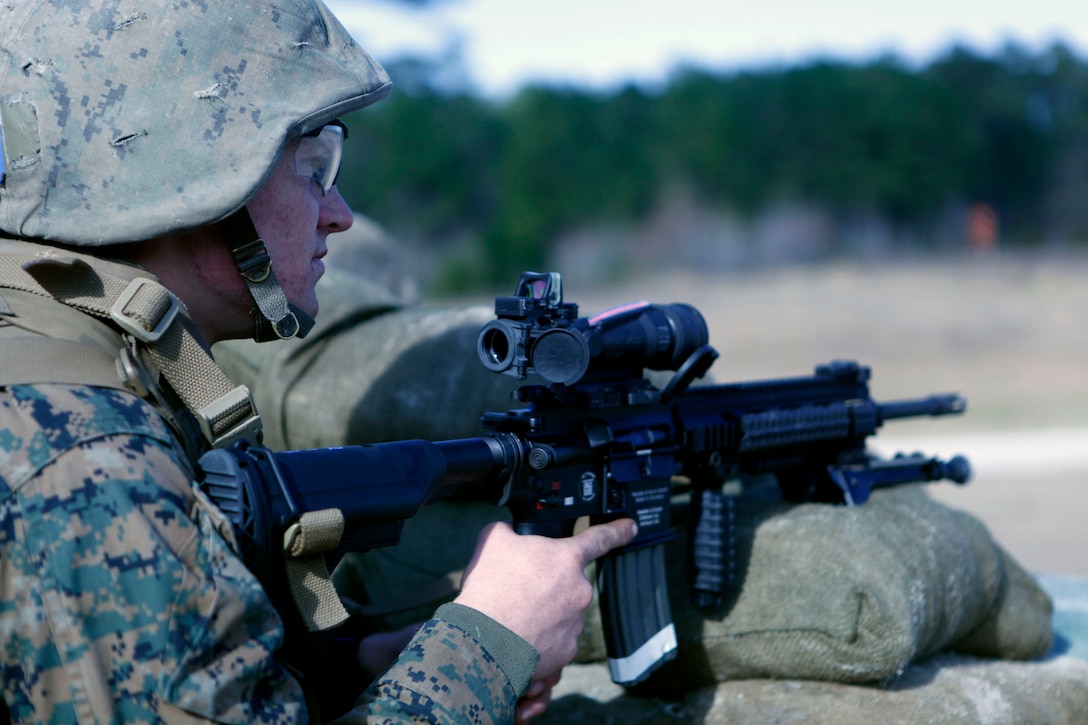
x,y
536,332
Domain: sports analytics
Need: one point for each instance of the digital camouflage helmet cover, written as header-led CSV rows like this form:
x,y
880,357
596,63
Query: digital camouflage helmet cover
x,y
125,120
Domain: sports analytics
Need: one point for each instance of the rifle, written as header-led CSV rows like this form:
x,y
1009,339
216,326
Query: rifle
x,y
598,440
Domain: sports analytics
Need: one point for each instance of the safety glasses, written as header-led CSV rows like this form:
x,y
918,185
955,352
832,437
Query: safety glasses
x,y
319,153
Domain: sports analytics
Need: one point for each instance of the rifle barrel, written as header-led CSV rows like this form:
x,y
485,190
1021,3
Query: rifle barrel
x,y
934,405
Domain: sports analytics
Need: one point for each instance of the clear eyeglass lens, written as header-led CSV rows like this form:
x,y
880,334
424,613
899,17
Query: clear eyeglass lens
x,y
318,157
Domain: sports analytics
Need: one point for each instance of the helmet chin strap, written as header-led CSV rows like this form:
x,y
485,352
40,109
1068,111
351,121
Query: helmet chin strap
x,y
277,319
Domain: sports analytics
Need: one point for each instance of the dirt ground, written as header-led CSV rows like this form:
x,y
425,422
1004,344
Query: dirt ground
x,y
1005,330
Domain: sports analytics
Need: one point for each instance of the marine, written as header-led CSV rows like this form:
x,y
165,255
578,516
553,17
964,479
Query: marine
x,y
169,182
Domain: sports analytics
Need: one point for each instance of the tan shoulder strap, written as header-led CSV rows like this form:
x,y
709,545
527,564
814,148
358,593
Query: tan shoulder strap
x,y
148,313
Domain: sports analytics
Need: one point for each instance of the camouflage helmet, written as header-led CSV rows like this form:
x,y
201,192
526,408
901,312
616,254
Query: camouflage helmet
x,y
125,120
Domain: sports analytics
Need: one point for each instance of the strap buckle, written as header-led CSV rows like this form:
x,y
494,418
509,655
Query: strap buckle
x,y
253,261
237,405
132,324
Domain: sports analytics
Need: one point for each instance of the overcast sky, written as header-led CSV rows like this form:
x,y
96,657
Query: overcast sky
x,y
603,42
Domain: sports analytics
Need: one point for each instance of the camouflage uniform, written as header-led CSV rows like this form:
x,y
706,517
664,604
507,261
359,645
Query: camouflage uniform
x,y
121,599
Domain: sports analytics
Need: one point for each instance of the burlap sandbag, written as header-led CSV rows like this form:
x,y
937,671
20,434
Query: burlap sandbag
x,y
371,370
943,690
850,595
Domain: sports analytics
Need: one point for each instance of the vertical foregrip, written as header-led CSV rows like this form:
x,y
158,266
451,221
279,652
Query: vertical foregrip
x,y
638,630
710,546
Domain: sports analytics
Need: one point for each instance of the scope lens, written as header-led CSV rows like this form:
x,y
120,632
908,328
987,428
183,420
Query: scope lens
x,y
494,347
689,332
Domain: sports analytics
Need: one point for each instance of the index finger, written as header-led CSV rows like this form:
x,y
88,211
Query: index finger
x,y
598,540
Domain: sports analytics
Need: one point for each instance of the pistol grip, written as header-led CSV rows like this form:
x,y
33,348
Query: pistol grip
x,y
638,631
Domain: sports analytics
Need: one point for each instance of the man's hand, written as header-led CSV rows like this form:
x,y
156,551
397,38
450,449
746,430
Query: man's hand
x,y
536,586
534,702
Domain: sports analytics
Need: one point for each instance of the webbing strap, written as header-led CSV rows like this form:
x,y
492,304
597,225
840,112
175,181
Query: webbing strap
x,y
148,312
256,268
304,546
276,317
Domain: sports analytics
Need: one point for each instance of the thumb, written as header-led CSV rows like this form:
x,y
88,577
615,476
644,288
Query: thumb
x,y
598,540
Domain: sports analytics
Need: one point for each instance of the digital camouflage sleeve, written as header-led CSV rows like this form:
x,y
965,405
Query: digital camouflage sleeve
x,y
122,601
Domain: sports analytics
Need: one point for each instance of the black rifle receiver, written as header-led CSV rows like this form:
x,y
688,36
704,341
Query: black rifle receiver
x,y
600,440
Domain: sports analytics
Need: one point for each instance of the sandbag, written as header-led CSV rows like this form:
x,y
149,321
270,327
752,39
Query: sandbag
x,y
850,595
371,370
942,690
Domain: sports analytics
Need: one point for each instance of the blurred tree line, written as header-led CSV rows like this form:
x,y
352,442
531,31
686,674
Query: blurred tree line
x,y
905,145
